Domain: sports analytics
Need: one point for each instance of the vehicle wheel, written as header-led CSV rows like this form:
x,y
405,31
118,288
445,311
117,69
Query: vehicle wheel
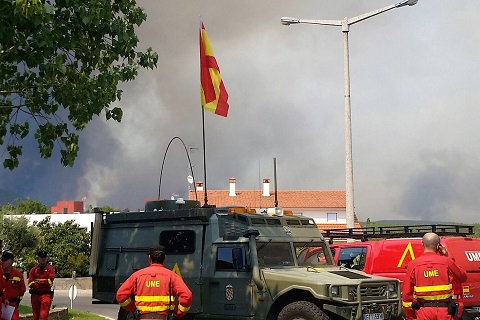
x,y
302,310
125,315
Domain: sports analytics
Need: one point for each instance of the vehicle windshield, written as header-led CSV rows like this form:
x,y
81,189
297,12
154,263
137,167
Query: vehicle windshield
x,y
313,254
274,254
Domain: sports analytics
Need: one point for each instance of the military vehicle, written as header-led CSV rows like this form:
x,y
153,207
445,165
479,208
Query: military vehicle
x,y
239,264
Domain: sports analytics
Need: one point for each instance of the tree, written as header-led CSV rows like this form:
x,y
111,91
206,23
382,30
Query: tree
x,y
64,58
22,239
24,206
67,245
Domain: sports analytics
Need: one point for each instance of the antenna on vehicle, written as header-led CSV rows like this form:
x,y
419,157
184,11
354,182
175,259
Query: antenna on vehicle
x,y
275,180
189,163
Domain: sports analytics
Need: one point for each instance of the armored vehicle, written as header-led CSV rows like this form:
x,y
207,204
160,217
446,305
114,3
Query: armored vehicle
x,y
239,264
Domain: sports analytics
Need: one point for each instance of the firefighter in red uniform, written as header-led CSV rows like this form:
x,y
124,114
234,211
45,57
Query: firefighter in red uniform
x,y
40,282
427,289
14,285
154,289
2,281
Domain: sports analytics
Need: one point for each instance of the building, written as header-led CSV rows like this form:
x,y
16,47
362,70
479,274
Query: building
x,y
67,207
84,220
326,207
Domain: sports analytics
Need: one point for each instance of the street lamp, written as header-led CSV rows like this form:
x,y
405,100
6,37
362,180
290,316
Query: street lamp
x,y
345,24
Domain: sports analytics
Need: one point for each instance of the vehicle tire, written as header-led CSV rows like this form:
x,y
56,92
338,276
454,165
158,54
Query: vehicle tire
x,y
302,310
125,315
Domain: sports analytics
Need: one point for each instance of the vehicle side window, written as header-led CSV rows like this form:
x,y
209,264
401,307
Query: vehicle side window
x,y
178,241
231,258
353,258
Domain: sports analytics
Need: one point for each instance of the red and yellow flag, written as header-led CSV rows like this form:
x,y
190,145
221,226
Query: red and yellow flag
x,y
213,93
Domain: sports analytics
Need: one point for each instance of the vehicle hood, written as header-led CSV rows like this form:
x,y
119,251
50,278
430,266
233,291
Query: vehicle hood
x,y
315,280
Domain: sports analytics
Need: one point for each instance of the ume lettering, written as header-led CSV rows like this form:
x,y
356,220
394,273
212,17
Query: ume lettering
x,y
430,273
153,283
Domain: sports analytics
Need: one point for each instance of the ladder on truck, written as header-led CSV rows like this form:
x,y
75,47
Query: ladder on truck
x,y
408,231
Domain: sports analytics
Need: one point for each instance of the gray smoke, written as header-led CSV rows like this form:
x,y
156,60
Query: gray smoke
x,y
415,75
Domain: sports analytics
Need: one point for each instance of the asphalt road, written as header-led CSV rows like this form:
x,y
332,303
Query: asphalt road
x,y
83,302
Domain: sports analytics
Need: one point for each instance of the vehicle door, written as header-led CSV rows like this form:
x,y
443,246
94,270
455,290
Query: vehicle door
x,y
230,289
183,256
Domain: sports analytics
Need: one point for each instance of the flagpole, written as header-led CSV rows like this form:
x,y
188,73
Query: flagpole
x,y
204,159
213,93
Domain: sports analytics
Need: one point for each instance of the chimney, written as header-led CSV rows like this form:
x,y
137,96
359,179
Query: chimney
x,y
199,186
266,187
232,187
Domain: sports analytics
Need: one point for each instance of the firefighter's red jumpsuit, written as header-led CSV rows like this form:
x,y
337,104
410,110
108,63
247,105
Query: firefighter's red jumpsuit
x,y
40,281
429,280
155,288
14,290
2,286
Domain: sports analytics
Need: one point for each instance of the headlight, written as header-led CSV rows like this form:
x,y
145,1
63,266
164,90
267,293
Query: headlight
x,y
392,290
335,291
392,287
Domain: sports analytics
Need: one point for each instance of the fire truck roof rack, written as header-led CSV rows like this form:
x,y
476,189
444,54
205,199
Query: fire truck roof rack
x,y
409,231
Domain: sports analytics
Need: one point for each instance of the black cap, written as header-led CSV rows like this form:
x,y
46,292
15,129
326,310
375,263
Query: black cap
x,y
7,255
41,254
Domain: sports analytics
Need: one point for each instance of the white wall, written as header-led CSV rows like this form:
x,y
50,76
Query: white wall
x,y
83,219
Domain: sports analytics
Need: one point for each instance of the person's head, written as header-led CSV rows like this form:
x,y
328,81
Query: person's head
x,y
156,254
42,258
7,260
430,242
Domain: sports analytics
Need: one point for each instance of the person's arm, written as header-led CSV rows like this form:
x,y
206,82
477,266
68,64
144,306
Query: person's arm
x,y
125,293
184,294
51,275
458,273
32,284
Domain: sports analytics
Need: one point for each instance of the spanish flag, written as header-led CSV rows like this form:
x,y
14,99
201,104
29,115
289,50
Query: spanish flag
x,y
212,91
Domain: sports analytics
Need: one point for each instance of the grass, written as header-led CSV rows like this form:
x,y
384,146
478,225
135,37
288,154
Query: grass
x,y
72,314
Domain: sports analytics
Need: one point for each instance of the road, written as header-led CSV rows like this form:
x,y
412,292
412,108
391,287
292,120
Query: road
x,y
82,302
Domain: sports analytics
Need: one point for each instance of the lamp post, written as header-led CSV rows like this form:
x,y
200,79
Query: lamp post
x,y
345,24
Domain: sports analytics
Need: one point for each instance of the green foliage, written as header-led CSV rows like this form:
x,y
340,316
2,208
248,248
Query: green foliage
x,y
67,245
73,314
30,206
64,58
22,239
24,206
369,224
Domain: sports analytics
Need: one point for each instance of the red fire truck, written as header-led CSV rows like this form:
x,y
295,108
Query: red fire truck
x,y
396,246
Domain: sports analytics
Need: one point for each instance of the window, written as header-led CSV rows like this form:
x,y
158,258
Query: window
x,y
178,241
274,254
353,258
231,258
332,216
312,254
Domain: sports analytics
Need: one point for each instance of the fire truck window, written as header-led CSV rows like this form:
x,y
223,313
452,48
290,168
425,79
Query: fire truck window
x,y
353,258
231,258
178,241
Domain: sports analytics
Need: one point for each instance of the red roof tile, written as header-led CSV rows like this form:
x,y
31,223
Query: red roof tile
x,y
286,198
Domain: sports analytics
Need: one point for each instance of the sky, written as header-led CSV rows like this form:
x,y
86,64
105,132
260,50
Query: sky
x,y
415,87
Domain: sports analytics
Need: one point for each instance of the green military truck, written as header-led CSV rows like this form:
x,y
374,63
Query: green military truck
x,y
238,264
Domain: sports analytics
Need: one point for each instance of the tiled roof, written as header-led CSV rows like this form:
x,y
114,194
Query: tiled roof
x,y
330,226
286,198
